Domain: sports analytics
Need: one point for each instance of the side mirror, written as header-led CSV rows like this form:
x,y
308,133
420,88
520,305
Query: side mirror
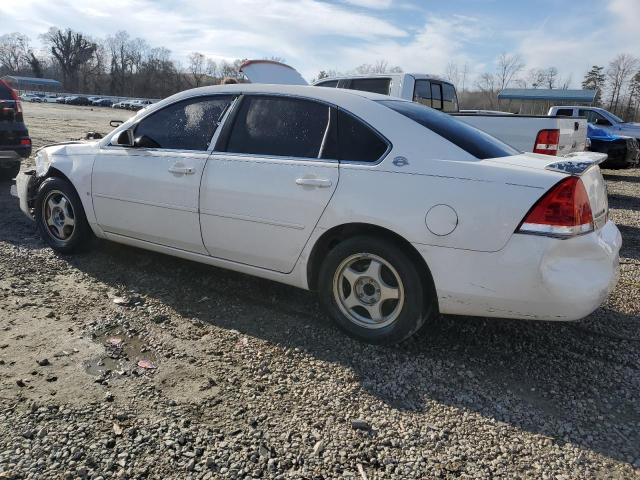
x,y
116,123
124,139
602,122
146,142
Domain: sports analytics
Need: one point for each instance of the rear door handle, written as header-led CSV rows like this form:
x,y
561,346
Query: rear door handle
x,y
182,170
314,182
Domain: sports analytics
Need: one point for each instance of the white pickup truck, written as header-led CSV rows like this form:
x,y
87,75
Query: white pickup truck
x,y
527,133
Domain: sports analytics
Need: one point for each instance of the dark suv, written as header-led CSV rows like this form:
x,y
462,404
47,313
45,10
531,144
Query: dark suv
x,y
15,143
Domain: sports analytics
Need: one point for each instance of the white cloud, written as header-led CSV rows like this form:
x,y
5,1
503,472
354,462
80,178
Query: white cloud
x,y
376,4
305,32
429,50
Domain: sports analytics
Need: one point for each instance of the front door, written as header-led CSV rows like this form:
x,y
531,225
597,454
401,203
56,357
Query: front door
x,y
151,191
263,194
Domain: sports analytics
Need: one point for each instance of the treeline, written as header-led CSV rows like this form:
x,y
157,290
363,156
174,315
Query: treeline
x,y
617,84
121,65
124,66
117,65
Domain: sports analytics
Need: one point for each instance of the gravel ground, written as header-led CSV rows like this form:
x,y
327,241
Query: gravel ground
x,y
250,380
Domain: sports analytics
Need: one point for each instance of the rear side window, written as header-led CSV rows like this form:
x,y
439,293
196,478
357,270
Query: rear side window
x,y
564,112
279,126
468,138
449,98
186,125
329,83
373,85
354,141
422,92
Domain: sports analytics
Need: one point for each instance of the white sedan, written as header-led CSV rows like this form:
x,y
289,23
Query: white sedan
x,y
392,211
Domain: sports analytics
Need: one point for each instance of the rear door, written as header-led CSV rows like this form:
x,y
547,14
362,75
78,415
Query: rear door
x,y
267,184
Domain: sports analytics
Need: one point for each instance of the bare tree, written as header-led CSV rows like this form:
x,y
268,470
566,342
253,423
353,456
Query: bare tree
x,y
535,78
452,73
212,68
487,85
70,49
14,49
551,75
381,66
197,68
508,67
618,73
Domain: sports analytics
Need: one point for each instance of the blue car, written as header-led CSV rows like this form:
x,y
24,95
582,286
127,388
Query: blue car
x,y
622,151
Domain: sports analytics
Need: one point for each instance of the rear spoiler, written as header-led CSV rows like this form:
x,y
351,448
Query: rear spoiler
x,y
577,163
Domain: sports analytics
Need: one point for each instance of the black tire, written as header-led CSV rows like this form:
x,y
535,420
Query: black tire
x,y
79,237
9,173
419,300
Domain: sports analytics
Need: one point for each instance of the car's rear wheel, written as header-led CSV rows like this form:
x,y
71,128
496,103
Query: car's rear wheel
x,y
374,292
60,216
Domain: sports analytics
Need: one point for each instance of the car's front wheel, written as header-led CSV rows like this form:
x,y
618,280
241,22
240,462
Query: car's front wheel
x,y
60,216
374,292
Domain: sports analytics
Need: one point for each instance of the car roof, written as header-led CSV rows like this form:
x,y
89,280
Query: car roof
x,y
308,91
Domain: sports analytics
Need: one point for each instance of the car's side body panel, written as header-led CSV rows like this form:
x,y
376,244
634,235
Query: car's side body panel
x,y
258,211
140,193
254,216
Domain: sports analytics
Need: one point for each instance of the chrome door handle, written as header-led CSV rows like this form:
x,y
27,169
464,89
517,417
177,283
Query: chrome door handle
x,y
314,182
182,170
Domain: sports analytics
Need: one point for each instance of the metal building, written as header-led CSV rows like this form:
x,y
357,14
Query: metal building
x,y
33,84
539,100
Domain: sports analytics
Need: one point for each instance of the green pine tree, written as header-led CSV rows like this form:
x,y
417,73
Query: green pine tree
x,y
594,80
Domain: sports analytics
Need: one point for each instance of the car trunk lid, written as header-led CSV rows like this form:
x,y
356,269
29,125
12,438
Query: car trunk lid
x,y
269,71
579,164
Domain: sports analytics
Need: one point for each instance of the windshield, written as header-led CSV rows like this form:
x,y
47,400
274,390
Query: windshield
x,y
476,142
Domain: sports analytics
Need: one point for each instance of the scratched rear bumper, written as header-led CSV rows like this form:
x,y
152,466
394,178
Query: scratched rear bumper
x,y
533,277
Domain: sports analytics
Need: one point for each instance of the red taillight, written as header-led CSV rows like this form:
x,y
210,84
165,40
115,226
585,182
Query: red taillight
x,y
15,96
25,141
547,142
564,211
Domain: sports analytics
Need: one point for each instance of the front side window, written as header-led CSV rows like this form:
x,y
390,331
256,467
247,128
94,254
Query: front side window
x,y
593,117
373,85
470,139
436,96
422,92
279,126
186,125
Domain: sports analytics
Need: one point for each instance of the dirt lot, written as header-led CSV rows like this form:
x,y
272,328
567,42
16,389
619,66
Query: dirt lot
x,y
253,381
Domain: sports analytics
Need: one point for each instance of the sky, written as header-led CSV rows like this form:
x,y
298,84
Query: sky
x,y
421,36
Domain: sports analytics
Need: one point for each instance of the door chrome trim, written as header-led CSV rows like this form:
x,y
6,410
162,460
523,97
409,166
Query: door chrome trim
x,y
149,204
249,218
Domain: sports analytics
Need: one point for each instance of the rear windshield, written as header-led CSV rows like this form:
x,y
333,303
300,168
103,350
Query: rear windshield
x,y
468,138
5,92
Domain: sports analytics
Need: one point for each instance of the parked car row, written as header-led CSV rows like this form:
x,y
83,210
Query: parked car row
x,y
132,104
96,101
